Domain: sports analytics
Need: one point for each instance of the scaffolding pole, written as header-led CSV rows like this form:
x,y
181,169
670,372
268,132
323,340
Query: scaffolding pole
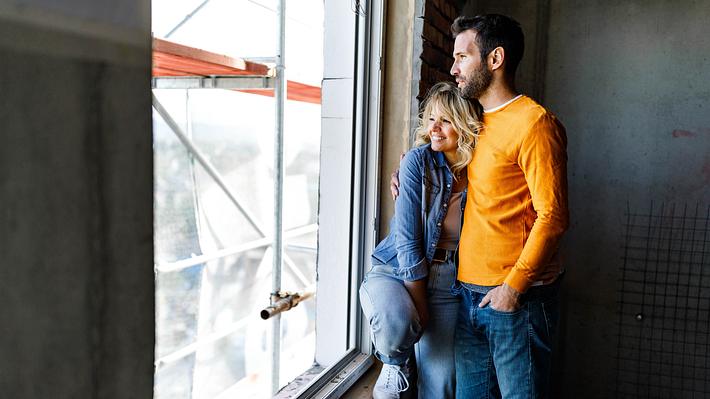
x,y
202,159
280,97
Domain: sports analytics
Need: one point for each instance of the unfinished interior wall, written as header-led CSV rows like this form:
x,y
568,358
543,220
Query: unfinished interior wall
x,y
631,82
418,55
533,16
437,45
398,91
77,292
626,78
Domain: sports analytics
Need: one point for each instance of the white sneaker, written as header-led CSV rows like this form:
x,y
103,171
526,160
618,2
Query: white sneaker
x,y
393,379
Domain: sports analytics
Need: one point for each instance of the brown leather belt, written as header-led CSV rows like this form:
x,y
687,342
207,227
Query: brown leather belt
x,y
442,255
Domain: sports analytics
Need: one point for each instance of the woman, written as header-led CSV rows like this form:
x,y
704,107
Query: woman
x,y
407,296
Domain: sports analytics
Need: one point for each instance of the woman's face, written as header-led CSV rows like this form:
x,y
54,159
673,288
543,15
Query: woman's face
x,y
442,134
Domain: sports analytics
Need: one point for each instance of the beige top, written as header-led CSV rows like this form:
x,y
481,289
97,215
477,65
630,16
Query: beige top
x,y
451,227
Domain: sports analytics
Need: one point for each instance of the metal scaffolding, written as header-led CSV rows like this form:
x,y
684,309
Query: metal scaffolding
x,y
280,96
275,80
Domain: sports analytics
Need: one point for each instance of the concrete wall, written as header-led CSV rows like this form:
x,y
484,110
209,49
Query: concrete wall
x,y
631,82
533,17
77,314
622,76
399,93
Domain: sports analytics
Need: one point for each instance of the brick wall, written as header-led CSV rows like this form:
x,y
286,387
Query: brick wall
x,y
437,43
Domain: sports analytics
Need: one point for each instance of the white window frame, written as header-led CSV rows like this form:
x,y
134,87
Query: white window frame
x,y
349,175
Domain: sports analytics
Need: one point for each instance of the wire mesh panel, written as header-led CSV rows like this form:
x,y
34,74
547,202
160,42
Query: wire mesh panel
x,y
664,324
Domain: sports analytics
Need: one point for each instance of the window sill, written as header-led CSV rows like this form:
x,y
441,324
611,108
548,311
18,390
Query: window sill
x,y
362,388
334,381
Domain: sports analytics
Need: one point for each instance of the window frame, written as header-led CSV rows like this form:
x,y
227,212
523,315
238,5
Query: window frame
x,y
363,171
361,90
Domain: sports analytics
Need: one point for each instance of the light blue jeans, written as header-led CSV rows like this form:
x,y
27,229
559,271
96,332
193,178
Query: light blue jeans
x,y
396,332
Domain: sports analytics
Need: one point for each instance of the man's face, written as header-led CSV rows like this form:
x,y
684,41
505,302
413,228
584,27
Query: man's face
x,y
472,74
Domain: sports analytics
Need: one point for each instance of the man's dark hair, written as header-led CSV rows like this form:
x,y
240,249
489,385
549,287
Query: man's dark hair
x,y
494,30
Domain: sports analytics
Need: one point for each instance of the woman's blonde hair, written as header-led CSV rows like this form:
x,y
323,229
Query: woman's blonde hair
x,y
465,117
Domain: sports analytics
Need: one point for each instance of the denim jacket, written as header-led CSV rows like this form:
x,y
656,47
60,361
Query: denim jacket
x,y
410,245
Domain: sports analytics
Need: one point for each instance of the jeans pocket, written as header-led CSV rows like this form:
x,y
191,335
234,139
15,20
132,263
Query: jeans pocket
x,y
456,288
433,276
503,313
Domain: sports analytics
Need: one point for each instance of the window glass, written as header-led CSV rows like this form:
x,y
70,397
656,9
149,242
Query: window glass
x,y
213,260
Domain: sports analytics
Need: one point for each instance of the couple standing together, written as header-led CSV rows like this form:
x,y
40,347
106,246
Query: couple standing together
x,y
467,279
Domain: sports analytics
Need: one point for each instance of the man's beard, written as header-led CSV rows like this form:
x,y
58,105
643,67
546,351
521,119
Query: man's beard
x,y
477,84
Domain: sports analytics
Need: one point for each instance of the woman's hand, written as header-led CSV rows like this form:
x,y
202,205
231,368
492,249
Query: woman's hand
x,y
417,290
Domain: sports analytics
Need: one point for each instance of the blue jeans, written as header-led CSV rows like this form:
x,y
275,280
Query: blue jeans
x,y
505,355
395,328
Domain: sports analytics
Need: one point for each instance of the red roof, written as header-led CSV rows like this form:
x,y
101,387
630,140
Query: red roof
x,y
173,59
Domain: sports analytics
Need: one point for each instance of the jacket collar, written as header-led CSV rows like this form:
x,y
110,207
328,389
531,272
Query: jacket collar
x,y
437,156
440,159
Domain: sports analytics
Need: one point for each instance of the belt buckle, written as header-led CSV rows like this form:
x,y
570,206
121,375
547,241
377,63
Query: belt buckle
x,y
443,259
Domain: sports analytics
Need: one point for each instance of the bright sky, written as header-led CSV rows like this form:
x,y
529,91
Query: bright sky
x,y
248,28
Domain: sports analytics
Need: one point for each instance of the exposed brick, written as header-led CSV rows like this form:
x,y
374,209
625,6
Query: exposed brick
x,y
433,35
453,12
437,44
434,17
444,76
444,8
423,89
424,72
434,56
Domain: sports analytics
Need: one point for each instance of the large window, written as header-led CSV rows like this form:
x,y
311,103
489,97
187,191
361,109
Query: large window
x,y
214,194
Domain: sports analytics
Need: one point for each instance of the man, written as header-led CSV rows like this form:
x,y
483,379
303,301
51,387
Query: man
x,y
516,213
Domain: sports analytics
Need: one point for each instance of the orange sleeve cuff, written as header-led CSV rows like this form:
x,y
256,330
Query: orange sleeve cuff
x,y
517,280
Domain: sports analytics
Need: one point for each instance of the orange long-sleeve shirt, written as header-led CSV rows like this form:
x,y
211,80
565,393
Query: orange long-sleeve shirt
x,y
516,210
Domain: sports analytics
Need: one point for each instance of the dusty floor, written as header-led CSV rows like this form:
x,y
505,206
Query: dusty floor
x,y
362,389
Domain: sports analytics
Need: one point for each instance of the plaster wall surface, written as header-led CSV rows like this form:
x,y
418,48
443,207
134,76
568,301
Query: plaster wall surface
x,y
625,78
532,16
630,81
398,102
77,278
